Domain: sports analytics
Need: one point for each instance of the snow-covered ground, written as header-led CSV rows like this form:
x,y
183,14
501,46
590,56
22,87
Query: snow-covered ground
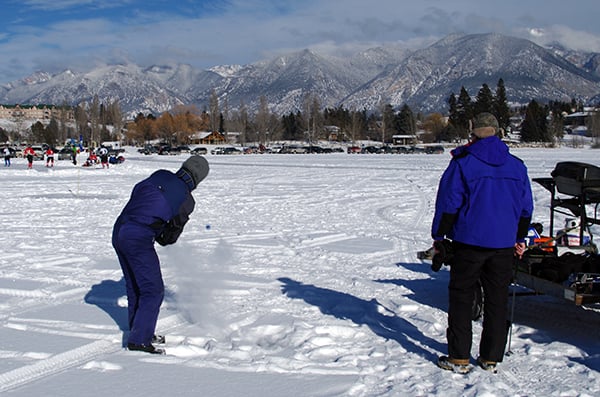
x,y
296,276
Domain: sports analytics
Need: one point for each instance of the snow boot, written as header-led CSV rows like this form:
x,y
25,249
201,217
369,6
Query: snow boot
x,y
158,339
145,348
460,366
487,365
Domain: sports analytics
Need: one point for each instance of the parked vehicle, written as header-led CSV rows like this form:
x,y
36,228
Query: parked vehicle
x,y
168,150
314,149
232,150
39,152
371,149
293,149
15,152
353,149
274,149
64,153
225,150
199,151
434,149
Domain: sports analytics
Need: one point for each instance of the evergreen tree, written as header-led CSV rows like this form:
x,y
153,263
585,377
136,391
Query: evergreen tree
x,y
405,122
51,132
387,123
37,132
451,131
292,127
500,106
358,125
484,100
534,128
464,113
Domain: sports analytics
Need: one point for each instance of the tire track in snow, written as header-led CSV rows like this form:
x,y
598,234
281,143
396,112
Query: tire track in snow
x,y
73,358
55,364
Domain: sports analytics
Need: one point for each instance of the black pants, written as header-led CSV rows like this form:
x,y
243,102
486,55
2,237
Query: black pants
x,y
494,267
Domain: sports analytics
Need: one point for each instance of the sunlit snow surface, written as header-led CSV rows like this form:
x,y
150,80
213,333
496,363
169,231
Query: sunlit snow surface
x,y
296,275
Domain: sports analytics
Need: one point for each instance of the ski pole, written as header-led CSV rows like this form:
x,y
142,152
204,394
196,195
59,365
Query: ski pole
x,y
512,318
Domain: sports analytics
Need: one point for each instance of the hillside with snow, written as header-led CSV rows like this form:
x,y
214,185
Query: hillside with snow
x,y
423,78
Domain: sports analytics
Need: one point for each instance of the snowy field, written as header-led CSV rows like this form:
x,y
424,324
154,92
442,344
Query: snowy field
x,y
296,276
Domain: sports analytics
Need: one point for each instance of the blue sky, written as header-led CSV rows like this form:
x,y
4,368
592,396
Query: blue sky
x,y
80,34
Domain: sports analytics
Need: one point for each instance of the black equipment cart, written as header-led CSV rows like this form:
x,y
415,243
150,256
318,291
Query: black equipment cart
x,y
574,191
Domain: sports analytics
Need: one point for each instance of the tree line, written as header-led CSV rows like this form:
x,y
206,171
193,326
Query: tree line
x,y
96,121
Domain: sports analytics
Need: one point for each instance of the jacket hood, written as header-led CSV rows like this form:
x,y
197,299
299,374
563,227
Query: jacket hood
x,y
490,150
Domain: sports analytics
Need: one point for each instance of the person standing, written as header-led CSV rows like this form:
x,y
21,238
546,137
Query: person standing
x,y
74,154
29,153
7,156
158,209
103,157
49,157
484,205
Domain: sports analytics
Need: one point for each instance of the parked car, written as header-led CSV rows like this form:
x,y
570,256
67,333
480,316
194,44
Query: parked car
x,y
225,150
401,149
371,149
353,149
183,149
64,153
438,149
39,152
293,149
416,149
232,150
13,152
274,149
199,151
148,149
168,150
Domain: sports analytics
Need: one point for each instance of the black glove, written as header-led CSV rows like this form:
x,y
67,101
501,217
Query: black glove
x,y
443,256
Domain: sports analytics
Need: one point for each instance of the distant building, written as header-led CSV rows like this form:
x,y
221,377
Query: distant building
x,y
404,139
32,112
334,132
577,123
207,138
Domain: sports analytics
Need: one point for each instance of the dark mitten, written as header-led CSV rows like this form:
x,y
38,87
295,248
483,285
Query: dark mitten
x,y
444,254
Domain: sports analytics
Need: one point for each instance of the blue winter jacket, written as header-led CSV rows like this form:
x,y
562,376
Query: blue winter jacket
x,y
484,197
161,202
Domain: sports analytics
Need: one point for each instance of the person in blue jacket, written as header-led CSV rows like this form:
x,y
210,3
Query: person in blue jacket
x,y
158,209
484,206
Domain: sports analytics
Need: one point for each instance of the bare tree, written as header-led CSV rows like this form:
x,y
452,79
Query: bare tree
x,y
94,112
262,120
214,110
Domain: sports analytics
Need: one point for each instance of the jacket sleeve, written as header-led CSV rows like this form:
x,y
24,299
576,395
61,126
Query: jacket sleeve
x,y
174,227
527,211
450,198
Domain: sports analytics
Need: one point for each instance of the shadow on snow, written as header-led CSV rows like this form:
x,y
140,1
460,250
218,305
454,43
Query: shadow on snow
x,y
106,296
347,307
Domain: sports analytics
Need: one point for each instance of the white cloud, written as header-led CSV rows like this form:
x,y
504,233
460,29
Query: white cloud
x,y
211,33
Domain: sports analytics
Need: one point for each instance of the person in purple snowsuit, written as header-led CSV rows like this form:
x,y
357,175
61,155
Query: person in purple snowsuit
x,y
158,209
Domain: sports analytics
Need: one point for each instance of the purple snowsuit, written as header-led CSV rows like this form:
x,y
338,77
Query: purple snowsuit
x,y
157,211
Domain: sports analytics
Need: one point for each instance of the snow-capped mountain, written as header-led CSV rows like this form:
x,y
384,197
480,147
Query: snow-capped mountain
x,y
422,78
426,78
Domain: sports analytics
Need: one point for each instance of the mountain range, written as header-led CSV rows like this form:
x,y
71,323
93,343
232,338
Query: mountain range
x,y
422,78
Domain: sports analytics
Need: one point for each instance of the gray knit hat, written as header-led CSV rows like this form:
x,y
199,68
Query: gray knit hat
x,y
485,125
193,171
